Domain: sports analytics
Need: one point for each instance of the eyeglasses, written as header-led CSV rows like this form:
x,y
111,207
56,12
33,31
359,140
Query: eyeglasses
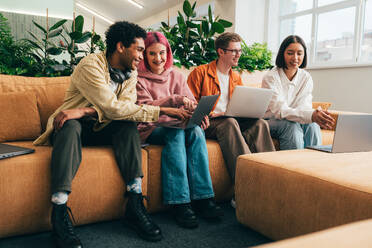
x,y
233,51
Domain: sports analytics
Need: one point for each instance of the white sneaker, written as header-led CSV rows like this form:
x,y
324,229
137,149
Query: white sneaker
x,y
233,203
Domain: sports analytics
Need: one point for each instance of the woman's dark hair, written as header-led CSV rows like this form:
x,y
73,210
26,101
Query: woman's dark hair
x,y
124,32
280,62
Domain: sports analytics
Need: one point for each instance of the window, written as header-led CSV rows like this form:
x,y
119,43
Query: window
x,y
298,25
336,32
335,35
327,2
289,7
366,54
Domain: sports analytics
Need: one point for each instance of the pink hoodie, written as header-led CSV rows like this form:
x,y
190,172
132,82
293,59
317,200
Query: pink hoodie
x,y
166,90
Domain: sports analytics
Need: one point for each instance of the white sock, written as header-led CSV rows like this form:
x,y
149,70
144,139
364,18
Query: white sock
x,y
60,198
135,185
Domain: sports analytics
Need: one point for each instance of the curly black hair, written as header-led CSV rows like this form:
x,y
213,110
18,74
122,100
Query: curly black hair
x,y
122,31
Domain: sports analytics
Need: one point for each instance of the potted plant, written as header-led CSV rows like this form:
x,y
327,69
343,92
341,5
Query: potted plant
x,y
44,48
192,42
192,38
253,63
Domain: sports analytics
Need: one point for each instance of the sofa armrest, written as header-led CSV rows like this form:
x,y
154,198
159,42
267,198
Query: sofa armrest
x,y
323,105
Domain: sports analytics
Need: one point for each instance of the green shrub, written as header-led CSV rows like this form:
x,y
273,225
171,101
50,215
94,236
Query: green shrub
x,y
254,57
15,56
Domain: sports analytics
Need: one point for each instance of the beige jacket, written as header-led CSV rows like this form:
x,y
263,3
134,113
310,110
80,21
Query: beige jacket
x,y
89,87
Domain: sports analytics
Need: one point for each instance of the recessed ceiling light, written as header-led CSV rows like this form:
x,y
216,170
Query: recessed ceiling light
x,y
136,4
94,13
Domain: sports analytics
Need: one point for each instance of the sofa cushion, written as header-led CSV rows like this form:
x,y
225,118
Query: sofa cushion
x,y
97,189
20,118
356,234
49,91
288,193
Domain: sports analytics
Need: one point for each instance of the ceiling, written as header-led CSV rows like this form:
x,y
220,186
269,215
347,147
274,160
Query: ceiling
x,y
117,10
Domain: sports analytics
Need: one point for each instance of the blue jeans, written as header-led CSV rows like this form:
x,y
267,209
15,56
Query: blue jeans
x,y
293,135
184,164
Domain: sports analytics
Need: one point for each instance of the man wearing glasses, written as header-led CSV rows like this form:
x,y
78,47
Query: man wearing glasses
x,y
235,136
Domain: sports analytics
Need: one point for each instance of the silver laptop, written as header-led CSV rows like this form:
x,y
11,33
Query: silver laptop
x,y
7,151
353,133
204,107
248,102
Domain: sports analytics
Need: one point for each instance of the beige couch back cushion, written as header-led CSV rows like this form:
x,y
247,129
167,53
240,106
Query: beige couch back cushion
x,y
49,91
19,119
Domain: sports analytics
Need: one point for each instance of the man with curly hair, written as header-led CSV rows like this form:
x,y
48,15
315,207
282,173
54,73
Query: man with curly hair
x,y
99,109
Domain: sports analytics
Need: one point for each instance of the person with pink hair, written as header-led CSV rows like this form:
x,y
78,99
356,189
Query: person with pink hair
x,y
186,182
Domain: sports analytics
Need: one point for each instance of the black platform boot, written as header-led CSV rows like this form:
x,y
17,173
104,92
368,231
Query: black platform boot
x,y
63,230
185,216
137,217
207,209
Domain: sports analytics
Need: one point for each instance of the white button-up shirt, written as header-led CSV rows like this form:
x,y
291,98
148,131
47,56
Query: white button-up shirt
x,y
292,100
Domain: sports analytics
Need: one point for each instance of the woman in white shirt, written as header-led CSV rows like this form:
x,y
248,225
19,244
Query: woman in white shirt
x,y
292,119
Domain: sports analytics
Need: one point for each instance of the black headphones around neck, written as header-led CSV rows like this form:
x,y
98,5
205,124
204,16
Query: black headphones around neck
x,y
119,76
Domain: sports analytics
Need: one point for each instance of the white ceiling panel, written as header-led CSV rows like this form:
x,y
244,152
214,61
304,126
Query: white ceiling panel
x,y
118,10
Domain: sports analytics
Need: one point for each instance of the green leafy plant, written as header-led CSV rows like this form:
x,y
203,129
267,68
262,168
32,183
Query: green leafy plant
x,y
69,41
15,58
74,37
96,42
254,57
44,48
192,39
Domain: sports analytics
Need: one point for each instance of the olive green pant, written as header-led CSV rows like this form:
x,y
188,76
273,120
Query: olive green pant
x,y
68,141
237,136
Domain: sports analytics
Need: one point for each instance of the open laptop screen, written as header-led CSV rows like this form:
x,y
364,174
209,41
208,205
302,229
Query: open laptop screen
x,y
353,133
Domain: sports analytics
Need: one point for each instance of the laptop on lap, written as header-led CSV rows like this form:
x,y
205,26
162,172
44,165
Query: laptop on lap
x,y
7,151
353,133
203,108
248,102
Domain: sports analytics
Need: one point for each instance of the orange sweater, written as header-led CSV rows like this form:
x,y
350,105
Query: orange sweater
x,y
203,81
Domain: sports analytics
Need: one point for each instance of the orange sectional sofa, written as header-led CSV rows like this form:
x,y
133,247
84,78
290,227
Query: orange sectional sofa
x,y
98,188
285,194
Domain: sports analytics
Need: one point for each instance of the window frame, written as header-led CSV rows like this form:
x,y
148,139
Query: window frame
x,y
315,11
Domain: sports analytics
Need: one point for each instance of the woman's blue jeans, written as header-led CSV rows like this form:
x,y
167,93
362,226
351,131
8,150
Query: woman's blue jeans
x,y
293,135
184,164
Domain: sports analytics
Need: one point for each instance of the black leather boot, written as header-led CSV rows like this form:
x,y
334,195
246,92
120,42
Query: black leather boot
x,y
185,216
63,230
207,209
137,217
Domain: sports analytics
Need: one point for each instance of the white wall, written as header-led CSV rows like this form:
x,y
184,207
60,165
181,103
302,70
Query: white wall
x,y
225,9
59,9
348,89
250,20
163,15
